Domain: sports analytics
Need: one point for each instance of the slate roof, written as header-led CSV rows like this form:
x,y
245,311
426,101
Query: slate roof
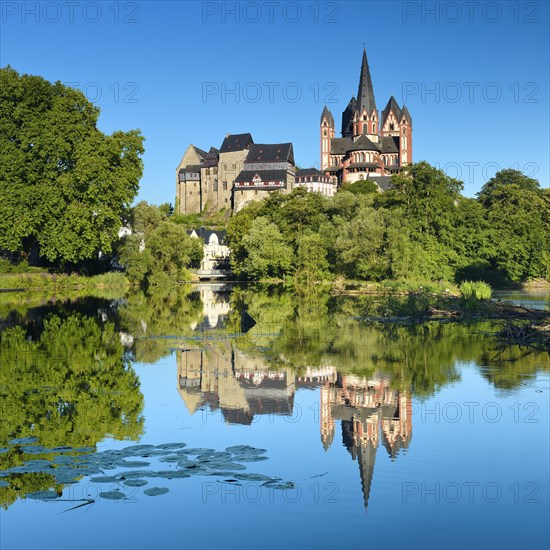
x,y
363,165
246,176
330,119
212,157
392,105
272,152
205,234
191,168
200,151
390,144
309,172
363,143
384,182
365,94
236,142
340,146
405,114
347,116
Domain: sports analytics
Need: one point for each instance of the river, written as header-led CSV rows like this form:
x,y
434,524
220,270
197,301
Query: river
x,y
251,417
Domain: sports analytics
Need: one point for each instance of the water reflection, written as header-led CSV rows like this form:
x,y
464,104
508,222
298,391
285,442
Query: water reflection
x,y
242,387
68,368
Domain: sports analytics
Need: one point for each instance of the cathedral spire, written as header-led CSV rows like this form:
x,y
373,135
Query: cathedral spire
x,y
365,94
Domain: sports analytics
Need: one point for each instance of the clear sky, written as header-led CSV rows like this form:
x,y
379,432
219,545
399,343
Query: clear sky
x,y
474,74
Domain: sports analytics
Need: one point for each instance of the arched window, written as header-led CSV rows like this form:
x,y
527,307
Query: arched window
x,y
374,127
362,157
365,129
324,132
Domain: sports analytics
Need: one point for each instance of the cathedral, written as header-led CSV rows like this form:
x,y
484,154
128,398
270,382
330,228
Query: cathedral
x,y
373,145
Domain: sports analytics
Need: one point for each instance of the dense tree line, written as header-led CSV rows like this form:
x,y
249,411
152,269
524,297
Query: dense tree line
x,y
423,228
64,185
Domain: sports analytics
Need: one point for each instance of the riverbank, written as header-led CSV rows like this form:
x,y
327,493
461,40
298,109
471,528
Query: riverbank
x,y
57,282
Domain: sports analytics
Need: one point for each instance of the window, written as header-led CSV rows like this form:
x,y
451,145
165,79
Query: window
x,y
324,132
215,185
362,157
392,126
225,186
364,117
365,129
374,127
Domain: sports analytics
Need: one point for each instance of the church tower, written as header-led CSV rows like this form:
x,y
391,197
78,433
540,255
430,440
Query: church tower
x,y
365,120
327,133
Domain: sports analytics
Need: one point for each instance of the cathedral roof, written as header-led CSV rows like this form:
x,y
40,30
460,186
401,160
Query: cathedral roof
x,y
347,116
340,146
270,152
392,105
390,144
365,94
330,119
407,116
236,142
363,143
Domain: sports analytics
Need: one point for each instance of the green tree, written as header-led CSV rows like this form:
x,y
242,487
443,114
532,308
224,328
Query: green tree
x,y
267,254
64,185
502,179
311,259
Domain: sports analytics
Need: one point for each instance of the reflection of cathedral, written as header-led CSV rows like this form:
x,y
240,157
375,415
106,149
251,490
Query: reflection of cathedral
x,y
369,410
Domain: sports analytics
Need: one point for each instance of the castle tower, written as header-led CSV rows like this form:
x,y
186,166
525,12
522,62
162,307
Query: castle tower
x,y
327,133
366,115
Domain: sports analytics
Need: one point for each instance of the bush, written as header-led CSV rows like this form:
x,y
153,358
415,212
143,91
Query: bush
x,y
475,290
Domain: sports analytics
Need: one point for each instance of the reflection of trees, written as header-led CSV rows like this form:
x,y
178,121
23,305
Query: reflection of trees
x,y
69,386
149,318
316,329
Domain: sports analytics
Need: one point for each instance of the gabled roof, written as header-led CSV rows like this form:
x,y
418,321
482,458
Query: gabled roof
x,y
384,182
365,94
270,152
330,119
340,146
200,151
363,143
407,116
205,234
392,105
390,144
247,176
309,172
212,157
347,115
236,142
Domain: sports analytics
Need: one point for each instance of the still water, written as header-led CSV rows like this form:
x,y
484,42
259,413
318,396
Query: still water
x,y
219,417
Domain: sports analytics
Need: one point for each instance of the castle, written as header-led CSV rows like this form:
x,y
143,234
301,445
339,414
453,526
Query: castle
x,y
373,146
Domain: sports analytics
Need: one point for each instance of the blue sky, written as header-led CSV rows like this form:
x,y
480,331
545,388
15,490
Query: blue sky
x,y
474,75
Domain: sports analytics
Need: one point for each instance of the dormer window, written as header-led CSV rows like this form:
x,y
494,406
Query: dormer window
x,y
364,117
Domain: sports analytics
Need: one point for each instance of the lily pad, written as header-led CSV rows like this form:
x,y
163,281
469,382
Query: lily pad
x,y
245,449
156,491
135,482
132,463
137,449
253,477
113,495
170,458
23,440
105,479
171,446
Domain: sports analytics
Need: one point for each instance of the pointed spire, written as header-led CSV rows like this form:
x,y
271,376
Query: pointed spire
x,y
392,105
330,119
365,94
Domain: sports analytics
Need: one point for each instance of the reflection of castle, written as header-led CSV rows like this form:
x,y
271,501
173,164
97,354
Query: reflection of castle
x,y
239,385
367,408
